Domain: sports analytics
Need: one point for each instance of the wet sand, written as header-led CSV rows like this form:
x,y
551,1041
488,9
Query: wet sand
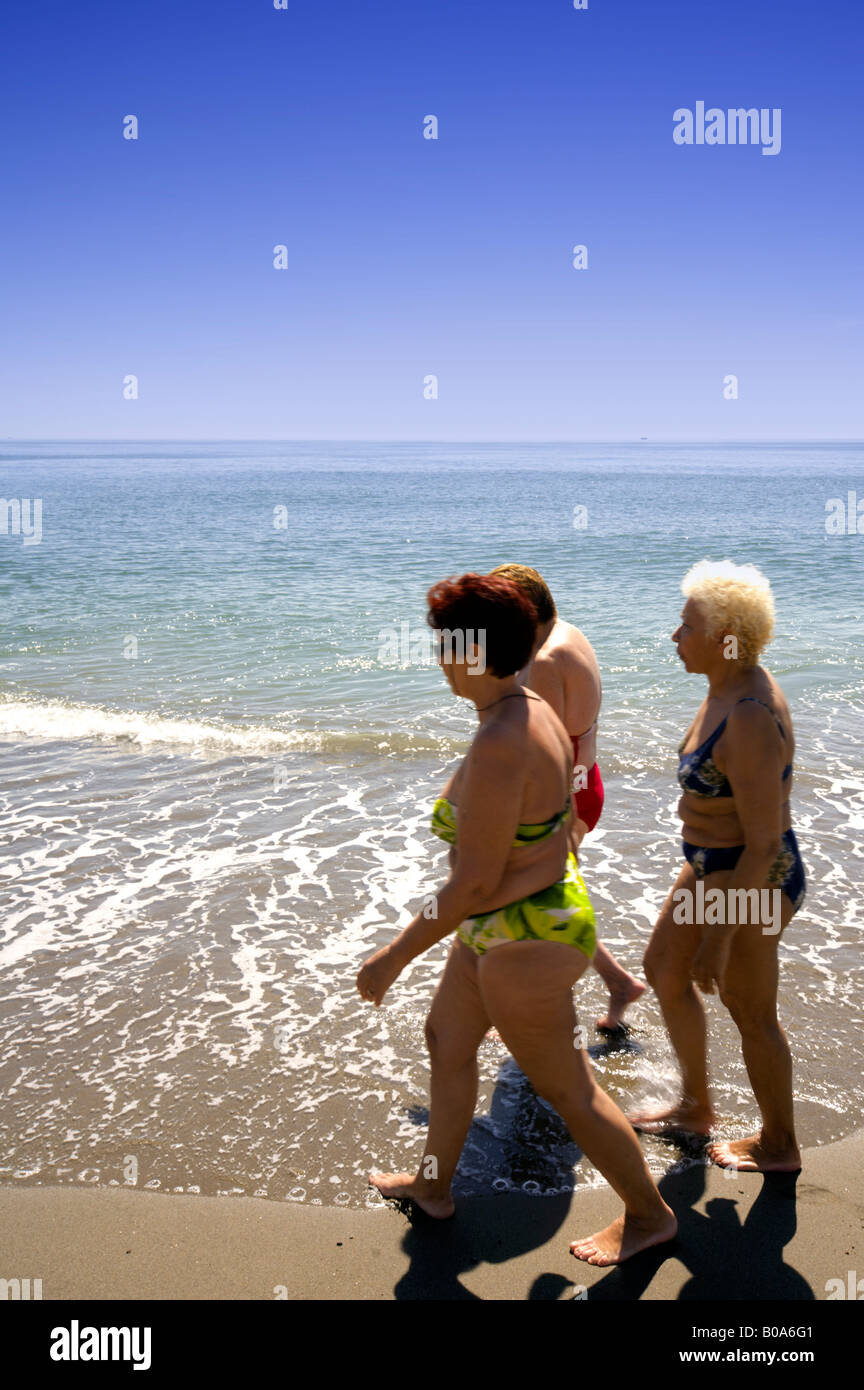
x,y
741,1237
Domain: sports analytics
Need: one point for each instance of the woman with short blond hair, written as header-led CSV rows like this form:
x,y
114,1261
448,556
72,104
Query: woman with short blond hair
x,y
735,773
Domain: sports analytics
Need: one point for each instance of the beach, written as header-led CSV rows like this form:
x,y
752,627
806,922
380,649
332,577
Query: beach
x,y
218,781
744,1238
308,310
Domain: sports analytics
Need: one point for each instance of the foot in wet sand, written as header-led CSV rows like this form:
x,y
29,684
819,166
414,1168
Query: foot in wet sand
x,y
620,998
624,1238
754,1156
682,1118
407,1185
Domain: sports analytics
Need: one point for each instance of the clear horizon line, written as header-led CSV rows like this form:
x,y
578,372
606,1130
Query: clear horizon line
x,y
356,439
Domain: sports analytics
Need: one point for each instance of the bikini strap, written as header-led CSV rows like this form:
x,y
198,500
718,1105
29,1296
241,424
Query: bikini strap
x,y
712,737
753,700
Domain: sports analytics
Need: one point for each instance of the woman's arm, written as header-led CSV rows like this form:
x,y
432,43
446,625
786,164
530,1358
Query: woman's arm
x,y
490,801
753,767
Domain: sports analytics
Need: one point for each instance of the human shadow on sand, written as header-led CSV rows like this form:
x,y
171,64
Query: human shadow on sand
x,y
727,1260
513,1189
513,1192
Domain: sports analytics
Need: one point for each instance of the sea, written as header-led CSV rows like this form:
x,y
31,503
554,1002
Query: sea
x,y
222,733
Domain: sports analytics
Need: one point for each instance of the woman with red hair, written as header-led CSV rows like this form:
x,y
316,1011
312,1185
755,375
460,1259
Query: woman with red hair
x,y
523,922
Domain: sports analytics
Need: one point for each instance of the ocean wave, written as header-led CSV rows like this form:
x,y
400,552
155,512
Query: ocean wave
x,y
38,718
65,721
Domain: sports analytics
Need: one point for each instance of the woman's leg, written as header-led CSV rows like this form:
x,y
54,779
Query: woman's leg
x,y
526,988
667,969
455,1028
750,994
624,989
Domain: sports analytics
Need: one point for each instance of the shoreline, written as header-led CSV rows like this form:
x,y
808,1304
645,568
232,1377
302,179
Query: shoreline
x,y
745,1237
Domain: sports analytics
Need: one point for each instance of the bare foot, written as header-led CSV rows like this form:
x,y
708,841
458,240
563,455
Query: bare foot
x,y
684,1118
619,999
753,1156
408,1185
625,1237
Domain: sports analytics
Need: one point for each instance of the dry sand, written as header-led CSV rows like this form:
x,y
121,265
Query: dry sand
x,y
741,1237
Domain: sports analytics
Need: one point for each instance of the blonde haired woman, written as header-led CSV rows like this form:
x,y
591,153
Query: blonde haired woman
x,y
735,773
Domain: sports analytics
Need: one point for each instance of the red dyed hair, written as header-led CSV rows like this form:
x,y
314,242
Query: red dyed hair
x,y
501,617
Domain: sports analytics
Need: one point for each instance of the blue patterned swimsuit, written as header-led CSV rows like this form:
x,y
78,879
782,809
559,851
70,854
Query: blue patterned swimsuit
x,y
698,775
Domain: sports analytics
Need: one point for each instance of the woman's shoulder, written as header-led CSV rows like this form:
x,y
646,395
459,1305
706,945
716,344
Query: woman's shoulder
x,y
523,728
765,707
504,739
573,652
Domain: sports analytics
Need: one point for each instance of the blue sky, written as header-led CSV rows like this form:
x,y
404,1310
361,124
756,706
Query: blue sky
x,y
409,257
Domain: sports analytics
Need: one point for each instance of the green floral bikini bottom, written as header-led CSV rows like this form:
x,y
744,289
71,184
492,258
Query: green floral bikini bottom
x,y
562,912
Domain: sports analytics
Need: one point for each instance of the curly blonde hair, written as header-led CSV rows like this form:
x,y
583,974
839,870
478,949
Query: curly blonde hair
x,y
735,599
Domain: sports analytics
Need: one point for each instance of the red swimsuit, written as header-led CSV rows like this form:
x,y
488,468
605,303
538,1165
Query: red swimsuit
x,y
588,801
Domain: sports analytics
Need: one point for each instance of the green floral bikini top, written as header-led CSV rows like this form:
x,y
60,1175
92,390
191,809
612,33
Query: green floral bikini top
x,y
444,825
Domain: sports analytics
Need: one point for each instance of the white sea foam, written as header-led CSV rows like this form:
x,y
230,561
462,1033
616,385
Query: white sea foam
x,y
166,908
60,720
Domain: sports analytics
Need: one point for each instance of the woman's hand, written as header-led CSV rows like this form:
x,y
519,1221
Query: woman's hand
x,y
378,973
710,961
